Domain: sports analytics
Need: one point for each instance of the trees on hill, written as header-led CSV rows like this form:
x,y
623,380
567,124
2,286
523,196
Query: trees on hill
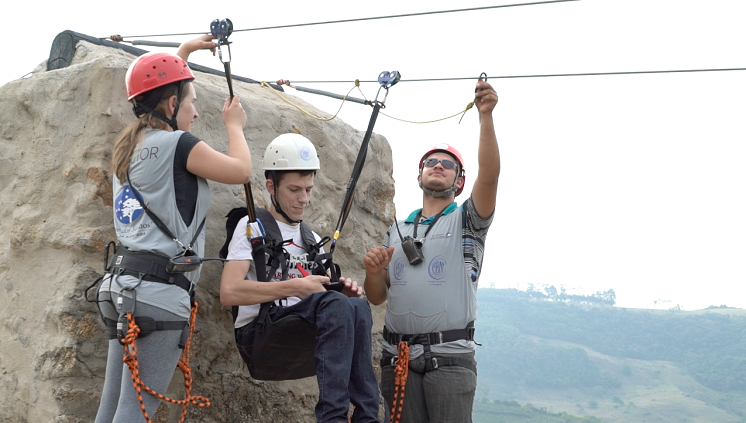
x,y
709,346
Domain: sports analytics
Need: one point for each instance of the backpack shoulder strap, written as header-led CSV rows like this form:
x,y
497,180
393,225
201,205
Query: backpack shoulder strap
x,y
271,245
232,219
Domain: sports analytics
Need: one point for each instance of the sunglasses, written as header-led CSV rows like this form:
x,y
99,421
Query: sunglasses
x,y
447,164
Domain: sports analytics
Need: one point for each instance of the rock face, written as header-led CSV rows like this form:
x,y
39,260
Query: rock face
x,y
57,130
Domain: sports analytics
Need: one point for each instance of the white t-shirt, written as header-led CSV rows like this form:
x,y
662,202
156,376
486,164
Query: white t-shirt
x,y
240,249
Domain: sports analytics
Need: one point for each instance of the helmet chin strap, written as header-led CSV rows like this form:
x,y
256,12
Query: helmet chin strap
x,y
276,204
142,108
438,194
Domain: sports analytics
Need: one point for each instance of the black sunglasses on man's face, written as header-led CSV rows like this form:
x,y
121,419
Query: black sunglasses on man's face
x,y
447,164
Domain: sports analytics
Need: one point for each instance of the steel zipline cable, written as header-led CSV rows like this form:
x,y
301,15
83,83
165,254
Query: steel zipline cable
x,y
405,15
554,75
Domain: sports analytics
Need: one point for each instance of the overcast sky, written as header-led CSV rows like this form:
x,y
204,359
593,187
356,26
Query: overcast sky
x,y
631,182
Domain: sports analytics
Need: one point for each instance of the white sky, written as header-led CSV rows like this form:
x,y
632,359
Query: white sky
x,y
634,182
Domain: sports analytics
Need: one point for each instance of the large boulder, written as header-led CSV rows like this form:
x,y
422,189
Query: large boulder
x,y
57,129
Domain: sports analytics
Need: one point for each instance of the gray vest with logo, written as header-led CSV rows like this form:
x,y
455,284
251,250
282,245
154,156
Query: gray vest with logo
x,y
151,173
437,294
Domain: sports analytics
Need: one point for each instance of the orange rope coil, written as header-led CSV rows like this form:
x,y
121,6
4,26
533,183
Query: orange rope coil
x,y
130,357
400,381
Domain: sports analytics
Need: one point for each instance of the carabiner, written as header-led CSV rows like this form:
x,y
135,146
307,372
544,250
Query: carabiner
x,y
482,75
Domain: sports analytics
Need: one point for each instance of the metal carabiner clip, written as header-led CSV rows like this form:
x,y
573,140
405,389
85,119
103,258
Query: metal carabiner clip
x,y
482,75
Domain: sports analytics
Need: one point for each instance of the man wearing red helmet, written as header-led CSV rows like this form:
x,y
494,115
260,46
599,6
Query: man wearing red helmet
x,y
428,269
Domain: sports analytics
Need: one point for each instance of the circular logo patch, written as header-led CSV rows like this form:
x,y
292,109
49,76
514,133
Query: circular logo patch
x,y
127,209
305,154
400,266
437,268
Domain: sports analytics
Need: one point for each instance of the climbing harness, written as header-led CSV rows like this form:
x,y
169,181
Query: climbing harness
x,y
401,360
282,349
221,30
128,328
151,266
386,80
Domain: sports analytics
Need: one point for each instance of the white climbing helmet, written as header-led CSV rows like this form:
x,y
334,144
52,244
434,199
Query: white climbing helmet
x,y
291,152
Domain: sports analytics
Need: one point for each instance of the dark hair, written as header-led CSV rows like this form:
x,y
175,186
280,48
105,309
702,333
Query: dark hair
x,y
131,136
276,175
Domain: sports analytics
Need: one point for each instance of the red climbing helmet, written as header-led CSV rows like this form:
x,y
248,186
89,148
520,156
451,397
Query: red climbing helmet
x,y
153,70
450,150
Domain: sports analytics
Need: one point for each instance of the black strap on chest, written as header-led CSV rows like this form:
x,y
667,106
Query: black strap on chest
x,y
159,223
429,227
268,252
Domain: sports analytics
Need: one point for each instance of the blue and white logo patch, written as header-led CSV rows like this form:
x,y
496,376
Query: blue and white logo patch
x,y
437,268
305,154
127,208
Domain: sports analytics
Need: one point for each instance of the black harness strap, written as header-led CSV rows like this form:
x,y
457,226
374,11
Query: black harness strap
x,y
435,362
151,266
147,325
268,252
432,338
432,361
159,223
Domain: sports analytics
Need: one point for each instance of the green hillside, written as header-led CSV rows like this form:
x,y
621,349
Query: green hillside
x,y
618,364
486,411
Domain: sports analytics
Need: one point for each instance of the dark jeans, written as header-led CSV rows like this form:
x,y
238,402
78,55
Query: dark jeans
x,y
344,367
442,395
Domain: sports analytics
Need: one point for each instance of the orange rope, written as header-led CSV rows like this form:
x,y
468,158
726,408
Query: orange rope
x,y
400,381
131,359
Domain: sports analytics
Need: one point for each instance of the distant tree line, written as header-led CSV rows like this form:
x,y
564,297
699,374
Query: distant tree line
x,y
710,346
550,293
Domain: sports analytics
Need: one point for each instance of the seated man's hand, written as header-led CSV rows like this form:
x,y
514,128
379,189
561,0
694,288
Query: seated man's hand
x,y
310,285
351,288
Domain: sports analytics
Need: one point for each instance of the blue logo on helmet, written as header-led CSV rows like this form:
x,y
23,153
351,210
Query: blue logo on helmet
x,y
127,208
305,154
437,268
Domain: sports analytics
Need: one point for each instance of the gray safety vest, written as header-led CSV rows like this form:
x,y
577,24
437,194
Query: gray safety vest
x,y
152,175
437,294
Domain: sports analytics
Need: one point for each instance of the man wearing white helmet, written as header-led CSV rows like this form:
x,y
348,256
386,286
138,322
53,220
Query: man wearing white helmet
x,y
428,268
297,296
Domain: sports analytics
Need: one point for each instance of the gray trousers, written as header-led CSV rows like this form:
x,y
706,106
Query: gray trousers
x,y
157,355
442,395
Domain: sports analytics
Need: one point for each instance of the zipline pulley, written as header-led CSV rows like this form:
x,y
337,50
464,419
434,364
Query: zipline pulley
x,y
387,80
221,29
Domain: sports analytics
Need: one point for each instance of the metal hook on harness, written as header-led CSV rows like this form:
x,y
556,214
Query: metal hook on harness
x,y
221,29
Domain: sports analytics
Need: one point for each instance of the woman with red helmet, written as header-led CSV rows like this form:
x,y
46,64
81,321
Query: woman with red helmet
x,y
161,202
